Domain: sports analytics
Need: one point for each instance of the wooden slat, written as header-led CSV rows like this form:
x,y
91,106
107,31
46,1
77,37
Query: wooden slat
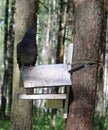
x,y
42,96
66,104
46,76
65,115
69,55
54,103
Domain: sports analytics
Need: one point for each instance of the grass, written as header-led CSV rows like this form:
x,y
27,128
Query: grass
x,y
4,124
42,121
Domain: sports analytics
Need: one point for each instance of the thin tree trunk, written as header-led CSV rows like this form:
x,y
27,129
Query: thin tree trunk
x,y
5,76
101,77
87,39
22,110
10,57
59,38
59,58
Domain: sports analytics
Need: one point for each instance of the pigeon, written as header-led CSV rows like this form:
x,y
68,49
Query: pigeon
x,y
27,50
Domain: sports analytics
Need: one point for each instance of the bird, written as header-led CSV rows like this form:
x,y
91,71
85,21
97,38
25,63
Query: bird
x,y
27,50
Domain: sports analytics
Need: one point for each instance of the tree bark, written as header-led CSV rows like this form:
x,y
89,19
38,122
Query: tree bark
x,y
22,110
5,76
59,57
10,57
100,104
87,38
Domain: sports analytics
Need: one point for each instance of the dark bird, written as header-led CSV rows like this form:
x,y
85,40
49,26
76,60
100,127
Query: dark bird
x,y
27,49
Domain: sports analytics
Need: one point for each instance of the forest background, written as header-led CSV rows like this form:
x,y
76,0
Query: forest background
x,y
54,26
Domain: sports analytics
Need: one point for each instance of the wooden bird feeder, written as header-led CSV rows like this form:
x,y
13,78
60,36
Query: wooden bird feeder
x,y
42,76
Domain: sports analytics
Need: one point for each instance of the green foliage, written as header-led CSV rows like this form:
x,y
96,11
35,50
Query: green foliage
x,y
4,124
42,120
96,121
106,121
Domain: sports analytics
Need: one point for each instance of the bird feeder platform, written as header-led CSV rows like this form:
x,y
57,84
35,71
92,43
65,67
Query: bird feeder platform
x,y
46,76
53,75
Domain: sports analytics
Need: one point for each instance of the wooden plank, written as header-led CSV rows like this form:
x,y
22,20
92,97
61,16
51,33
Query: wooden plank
x,y
46,76
66,104
42,96
54,103
70,54
65,115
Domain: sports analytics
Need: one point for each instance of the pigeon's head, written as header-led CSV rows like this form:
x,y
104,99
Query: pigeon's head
x,y
31,33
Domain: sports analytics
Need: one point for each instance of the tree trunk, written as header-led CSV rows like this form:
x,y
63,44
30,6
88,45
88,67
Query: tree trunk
x,y
59,57
101,77
87,39
22,110
5,76
10,57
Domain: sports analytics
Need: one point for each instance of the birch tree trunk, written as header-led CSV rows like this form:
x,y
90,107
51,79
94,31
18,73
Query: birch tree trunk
x,y
87,39
10,57
22,113
5,76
